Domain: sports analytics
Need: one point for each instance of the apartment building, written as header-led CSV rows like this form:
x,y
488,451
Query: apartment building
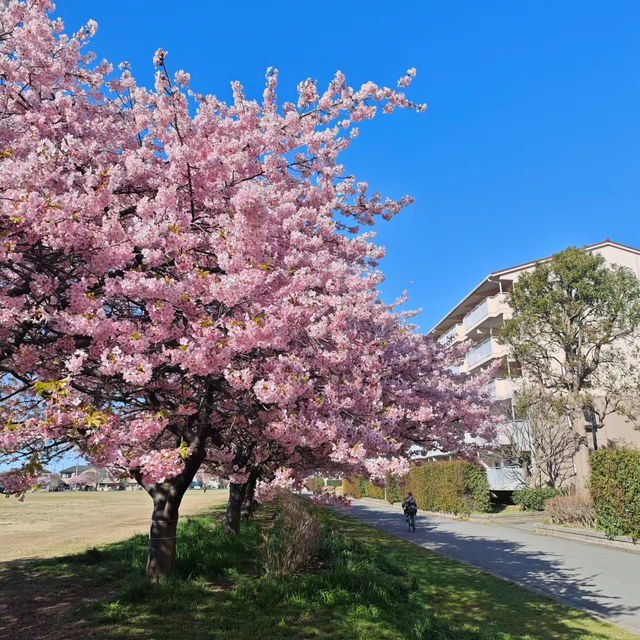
x,y
478,317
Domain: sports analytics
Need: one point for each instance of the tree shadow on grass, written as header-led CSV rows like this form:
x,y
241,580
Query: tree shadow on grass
x,y
460,593
36,606
93,594
391,592
67,597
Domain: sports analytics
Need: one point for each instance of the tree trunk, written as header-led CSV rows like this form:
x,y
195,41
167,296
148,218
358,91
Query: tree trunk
x,y
167,497
234,507
162,535
581,458
249,504
582,467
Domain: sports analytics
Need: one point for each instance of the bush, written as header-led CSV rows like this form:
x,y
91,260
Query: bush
x,y
373,491
453,487
615,489
314,484
353,487
395,488
293,542
477,484
576,509
533,499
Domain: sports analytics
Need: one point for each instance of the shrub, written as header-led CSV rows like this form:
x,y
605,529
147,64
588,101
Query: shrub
x,y
293,542
314,484
477,485
533,499
615,489
373,491
395,488
572,509
353,487
453,487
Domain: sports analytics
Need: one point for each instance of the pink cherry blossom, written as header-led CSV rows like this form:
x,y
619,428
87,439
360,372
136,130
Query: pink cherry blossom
x,y
183,282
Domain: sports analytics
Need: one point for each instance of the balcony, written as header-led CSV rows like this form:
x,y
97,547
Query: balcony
x,y
490,312
514,433
505,478
484,352
452,335
501,389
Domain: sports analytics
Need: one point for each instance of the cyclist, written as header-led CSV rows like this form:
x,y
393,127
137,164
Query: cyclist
x,y
410,509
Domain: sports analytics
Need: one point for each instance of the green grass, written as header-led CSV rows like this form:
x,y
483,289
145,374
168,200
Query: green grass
x,y
368,585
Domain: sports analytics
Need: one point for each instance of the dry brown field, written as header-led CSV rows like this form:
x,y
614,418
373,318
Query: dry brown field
x,y
54,524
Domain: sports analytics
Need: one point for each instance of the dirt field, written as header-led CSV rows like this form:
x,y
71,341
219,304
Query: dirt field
x,y
53,524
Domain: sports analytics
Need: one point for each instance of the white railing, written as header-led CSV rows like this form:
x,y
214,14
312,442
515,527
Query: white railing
x,y
514,433
482,351
476,315
449,336
505,478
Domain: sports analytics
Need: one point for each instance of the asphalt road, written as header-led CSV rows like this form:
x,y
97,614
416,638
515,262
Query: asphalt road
x,y
602,581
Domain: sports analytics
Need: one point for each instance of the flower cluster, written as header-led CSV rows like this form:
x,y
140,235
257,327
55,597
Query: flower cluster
x,y
183,283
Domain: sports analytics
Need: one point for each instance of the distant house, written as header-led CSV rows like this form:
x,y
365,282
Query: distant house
x,y
84,477
49,481
74,470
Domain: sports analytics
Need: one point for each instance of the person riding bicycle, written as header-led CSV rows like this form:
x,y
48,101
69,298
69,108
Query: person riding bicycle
x,y
410,509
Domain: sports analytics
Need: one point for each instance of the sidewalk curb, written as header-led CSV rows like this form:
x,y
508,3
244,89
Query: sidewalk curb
x,y
588,536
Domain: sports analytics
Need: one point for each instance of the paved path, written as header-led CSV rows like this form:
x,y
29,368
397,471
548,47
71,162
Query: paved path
x,y
605,582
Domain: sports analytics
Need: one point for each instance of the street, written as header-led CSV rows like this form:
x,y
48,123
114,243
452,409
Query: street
x,y
604,582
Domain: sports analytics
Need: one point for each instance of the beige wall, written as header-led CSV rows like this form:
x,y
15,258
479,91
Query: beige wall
x,y
617,430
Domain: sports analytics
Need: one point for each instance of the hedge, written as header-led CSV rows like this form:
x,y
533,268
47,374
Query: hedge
x,y
533,499
353,487
395,489
615,489
313,483
373,491
358,487
453,487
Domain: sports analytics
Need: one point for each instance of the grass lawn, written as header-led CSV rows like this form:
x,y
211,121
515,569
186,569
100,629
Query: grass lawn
x,y
370,585
52,524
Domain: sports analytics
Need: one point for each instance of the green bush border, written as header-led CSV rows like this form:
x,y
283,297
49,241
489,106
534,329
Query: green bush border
x,y
615,488
454,486
534,498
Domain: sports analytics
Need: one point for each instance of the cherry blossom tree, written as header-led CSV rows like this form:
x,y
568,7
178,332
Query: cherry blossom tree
x,y
205,478
88,478
184,285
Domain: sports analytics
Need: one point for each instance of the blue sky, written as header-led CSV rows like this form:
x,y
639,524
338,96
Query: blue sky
x,y
529,144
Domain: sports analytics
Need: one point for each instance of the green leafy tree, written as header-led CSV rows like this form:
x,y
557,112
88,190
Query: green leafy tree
x,y
574,332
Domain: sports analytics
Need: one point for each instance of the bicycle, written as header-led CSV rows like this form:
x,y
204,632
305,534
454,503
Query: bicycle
x,y
411,521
